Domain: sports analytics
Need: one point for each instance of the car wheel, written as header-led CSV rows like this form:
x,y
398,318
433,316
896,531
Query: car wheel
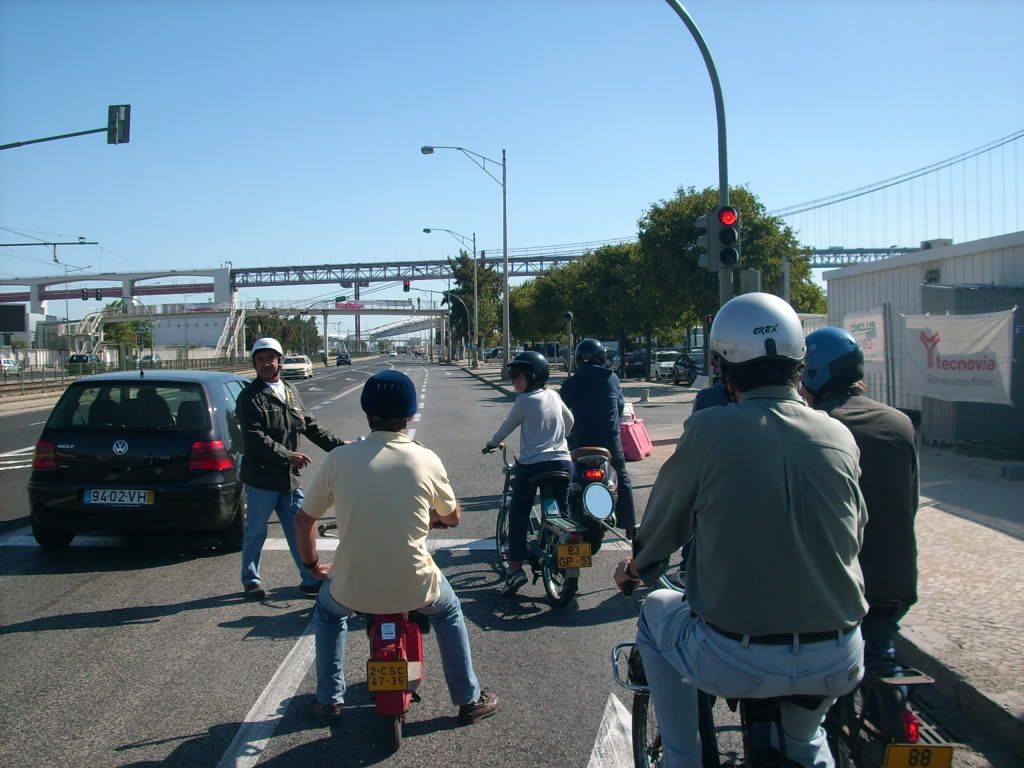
x,y
49,537
232,537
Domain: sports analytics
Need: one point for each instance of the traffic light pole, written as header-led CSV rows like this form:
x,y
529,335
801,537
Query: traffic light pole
x,y
725,276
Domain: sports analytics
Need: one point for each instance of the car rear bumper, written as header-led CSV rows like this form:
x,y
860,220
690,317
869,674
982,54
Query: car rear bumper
x,y
204,508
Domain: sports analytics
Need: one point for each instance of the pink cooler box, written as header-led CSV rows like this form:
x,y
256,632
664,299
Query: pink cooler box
x,y
635,442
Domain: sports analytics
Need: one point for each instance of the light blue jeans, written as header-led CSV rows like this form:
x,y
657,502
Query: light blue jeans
x,y
260,503
446,621
681,653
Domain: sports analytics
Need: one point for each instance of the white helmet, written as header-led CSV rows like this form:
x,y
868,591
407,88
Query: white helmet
x,y
267,343
757,326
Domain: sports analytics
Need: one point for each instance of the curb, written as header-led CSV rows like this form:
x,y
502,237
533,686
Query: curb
x,y
998,723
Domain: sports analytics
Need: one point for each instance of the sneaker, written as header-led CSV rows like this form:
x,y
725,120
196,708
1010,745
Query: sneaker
x,y
310,590
513,582
255,591
482,708
325,713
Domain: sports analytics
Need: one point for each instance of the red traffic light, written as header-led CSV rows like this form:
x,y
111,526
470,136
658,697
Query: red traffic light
x,y
728,215
405,286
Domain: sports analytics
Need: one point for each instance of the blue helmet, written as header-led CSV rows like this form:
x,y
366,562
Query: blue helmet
x,y
833,361
389,394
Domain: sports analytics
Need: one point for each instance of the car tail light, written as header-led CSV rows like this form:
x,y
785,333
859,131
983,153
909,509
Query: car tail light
x,y
209,456
593,474
44,456
911,726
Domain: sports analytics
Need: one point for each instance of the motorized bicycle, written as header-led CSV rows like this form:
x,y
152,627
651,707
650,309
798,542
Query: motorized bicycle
x,y
759,742
395,668
875,725
591,466
557,546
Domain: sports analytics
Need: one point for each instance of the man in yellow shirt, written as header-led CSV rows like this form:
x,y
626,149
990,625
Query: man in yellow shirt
x,y
387,492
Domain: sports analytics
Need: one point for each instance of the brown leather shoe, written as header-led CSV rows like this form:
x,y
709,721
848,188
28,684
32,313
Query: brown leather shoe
x,y
483,707
326,713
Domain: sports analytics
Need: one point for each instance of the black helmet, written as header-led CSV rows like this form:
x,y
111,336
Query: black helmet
x,y
590,352
534,365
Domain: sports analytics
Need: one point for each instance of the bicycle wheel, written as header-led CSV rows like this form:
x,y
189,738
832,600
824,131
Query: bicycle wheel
x,y
559,587
647,752
501,534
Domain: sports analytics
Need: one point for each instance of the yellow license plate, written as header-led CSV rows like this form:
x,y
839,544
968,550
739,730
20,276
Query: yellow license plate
x,y
387,675
574,555
913,756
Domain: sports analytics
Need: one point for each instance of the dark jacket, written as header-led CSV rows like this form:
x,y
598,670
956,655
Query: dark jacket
x,y
594,396
270,434
712,396
890,485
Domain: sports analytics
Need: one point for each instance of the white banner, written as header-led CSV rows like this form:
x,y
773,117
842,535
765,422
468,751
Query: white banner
x,y
965,358
868,330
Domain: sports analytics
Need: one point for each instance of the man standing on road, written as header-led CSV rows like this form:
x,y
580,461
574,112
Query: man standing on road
x,y
271,417
594,396
832,382
768,489
387,491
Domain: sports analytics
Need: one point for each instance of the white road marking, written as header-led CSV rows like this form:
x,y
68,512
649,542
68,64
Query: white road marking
x,y
613,747
418,416
266,714
18,451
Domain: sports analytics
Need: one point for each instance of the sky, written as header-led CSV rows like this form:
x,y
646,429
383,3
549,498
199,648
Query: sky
x,y
274,133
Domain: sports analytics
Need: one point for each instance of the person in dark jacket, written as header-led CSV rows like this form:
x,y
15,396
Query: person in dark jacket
x,y
271,417
594,396
832,382
714,395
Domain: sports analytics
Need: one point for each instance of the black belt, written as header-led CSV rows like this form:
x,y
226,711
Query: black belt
x,y
786,638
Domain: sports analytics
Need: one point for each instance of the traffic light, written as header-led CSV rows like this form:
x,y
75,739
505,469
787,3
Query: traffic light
x,y
118,123
98,294
708,225
728,231
85,294
405,286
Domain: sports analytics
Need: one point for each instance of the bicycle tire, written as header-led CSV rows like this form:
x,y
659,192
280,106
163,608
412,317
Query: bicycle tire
x,y
647,750
396,732
501,534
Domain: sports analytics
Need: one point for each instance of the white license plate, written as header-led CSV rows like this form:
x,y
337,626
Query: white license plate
x,y
119,498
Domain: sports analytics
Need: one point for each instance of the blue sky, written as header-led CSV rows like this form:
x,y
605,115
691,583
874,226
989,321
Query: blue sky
x,y
270,133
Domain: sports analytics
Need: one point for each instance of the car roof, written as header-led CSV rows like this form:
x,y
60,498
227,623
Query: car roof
x,y
165,375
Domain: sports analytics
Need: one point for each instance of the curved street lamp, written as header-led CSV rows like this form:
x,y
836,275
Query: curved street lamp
x,y
476,300
481,162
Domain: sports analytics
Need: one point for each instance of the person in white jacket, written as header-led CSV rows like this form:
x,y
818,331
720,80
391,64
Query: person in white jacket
x,y
543,421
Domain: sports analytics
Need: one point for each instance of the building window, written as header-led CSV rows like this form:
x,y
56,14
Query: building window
x,y
931,276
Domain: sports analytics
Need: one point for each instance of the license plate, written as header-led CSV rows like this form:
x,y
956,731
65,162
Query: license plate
x,y
119,498
912,756
387,675
574,555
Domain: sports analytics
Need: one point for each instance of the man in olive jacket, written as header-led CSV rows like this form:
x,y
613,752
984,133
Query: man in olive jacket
x,y
271,417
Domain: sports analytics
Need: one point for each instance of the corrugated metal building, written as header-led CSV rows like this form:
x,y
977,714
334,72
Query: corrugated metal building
x,y
967,278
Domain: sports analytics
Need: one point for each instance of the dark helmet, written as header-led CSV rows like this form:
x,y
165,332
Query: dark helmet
x,y
389,394
590,352
534,365
833,361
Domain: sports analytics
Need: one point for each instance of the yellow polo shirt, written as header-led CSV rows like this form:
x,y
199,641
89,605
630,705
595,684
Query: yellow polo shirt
x,y
382,490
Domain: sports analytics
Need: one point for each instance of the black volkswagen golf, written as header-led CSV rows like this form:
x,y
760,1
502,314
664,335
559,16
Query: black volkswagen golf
x,y
140,452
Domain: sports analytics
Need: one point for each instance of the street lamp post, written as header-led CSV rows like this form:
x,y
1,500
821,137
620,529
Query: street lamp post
x,y
569,357
476,298
481,161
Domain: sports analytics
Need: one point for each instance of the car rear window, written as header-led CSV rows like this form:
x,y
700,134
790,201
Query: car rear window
x,y
295,359
111,406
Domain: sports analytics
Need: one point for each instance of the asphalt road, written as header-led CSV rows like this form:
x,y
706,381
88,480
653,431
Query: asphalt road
x,y
142,652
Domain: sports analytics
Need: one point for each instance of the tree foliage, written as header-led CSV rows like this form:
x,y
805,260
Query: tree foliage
x,y
294,333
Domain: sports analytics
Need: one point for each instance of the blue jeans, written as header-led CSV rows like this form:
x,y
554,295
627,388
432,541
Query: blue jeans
x,y
681,653
446,620
523,493
260,503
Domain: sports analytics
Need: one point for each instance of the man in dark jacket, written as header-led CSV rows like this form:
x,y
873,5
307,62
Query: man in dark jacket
x,y
889,481
594,396
271,417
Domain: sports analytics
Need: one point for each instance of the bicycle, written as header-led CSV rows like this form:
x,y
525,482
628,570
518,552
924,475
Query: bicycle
x,y
556,546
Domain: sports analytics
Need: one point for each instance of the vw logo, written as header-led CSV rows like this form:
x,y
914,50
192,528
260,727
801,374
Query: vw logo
x,y
120,447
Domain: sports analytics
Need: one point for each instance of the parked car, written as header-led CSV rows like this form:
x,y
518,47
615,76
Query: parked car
x,y
9,367
83,365
635,365
151,361
687,367
296,367
661,365
133,452
493,352
344,358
